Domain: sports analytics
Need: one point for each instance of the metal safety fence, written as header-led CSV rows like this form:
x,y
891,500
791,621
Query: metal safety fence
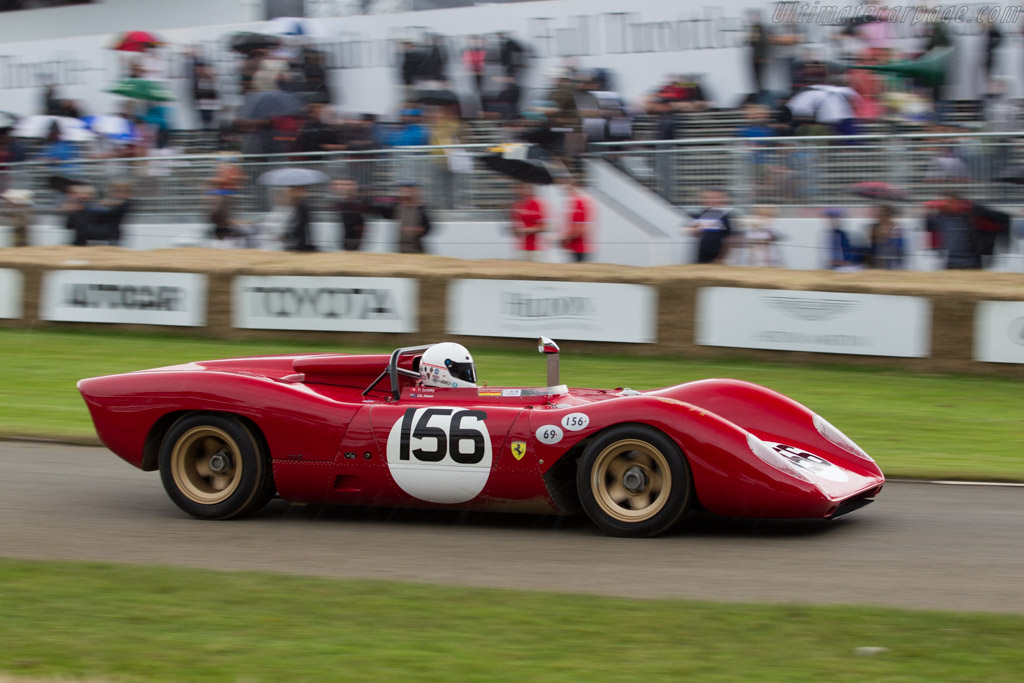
x,y
790,171
820,170
450,177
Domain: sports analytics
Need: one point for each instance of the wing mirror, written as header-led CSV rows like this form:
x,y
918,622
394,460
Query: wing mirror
x,y
550,349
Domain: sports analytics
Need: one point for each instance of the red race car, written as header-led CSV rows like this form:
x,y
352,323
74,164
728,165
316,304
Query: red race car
x,y
414,429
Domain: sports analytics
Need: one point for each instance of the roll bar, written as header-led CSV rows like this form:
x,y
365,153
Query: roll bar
x,y
393,371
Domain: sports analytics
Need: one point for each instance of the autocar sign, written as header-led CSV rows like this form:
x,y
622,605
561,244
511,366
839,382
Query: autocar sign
x,y
106,296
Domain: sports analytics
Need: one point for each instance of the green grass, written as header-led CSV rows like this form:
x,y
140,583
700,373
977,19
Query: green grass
x,y
150,623
915,425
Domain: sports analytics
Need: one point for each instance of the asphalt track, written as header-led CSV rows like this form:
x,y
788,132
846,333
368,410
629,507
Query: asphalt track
x,y
920,545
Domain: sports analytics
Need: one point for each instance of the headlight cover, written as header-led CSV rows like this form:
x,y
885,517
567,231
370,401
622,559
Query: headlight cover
x,y
827,430
767,454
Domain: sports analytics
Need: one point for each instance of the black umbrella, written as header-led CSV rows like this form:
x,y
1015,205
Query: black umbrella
x,y
315,96
531,171
261,106
245,42
1015,177
437,98
61,183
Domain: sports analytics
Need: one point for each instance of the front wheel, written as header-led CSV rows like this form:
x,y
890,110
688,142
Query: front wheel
x,y
213,467
634,481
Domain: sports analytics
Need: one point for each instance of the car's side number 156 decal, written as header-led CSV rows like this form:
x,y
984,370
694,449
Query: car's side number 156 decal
x,y
439,454
464,444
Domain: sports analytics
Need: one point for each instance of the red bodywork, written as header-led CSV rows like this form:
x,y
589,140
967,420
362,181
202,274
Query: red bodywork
x,y
485,448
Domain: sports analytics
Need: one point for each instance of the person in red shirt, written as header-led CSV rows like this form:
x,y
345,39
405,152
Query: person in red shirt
x,y
576,239
528,222
474,58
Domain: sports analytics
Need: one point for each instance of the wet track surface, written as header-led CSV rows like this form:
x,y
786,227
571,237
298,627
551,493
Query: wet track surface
x,y
920,545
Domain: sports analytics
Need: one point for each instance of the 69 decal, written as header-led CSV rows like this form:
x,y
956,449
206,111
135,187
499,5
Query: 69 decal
x,y
549,434
815,464
441,455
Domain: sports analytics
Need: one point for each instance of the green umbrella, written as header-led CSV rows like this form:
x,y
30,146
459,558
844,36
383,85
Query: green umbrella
x,y
928,69
142,89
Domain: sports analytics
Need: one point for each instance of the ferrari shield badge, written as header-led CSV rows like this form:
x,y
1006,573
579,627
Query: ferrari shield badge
x,y
518,449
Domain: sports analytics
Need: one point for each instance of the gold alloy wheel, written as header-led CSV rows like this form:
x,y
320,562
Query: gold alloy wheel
x,y
206,465
631,480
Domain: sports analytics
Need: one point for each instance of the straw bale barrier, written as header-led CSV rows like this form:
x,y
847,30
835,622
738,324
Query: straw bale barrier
x,y
953,295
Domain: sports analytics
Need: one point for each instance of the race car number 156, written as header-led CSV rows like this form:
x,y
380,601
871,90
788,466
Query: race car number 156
x,y
442,455
461,436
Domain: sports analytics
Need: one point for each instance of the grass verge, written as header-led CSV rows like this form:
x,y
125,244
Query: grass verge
x,y
151,623
930,426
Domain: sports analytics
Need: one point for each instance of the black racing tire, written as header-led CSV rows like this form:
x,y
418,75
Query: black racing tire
x,y
633,481
213,466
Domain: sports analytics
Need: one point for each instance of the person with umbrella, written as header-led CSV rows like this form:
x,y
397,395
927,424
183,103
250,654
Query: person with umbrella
x,y
156,116
296,236
949,225
297,180
886,247
254,47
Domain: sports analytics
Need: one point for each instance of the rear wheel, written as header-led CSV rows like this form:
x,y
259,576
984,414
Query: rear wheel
x,y
634,481
213,466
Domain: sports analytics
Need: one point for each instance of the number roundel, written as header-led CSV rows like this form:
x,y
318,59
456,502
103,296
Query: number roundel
x,y
549,434
440,455
815,464
574,422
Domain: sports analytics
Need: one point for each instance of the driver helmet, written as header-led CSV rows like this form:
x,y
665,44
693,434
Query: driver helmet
x,y
447,365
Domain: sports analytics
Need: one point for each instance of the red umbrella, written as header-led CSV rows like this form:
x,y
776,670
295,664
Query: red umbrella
x,y
879,191
136,41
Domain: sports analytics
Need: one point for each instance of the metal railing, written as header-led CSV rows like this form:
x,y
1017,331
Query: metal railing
x,y
807,171
451,177
819,170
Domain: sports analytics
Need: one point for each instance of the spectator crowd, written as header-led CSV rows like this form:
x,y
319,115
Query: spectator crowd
x,y
281,101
